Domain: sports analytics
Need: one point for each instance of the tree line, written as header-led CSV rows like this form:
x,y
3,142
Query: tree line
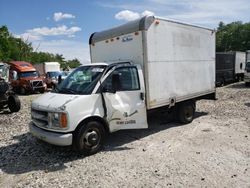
x,y
234,36
17,49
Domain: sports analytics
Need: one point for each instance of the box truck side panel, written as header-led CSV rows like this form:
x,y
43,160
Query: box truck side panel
x,y
181,62
248,56
126,47
51,66
240,62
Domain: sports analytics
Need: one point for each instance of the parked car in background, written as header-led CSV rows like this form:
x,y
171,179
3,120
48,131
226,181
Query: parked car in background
x,y
25,79
54,78
8,99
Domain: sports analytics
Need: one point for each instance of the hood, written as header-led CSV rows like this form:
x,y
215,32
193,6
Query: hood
x,y
32,78
53,101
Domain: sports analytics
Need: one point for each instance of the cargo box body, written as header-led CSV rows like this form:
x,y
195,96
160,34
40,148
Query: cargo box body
x,y
230,66
248,56
178,60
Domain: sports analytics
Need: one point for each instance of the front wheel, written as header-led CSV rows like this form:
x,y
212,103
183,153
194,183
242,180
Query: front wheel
x,y
41,90
14,103
22,91
89,138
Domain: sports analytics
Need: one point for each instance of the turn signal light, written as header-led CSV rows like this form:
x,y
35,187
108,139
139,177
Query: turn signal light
x,y
63,120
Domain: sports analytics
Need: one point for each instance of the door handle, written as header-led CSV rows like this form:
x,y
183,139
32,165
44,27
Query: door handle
x,y
142,96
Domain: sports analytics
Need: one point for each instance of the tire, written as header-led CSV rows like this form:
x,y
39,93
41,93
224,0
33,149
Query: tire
x,y
186,112
3,87
14,103
222,82
42,91
89,138
22,91
53,86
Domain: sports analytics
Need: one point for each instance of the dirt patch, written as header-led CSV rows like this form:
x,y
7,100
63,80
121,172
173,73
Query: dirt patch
x,y
212,151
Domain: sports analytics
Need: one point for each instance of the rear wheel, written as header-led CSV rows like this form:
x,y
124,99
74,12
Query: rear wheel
x,y
14,103
186,112
89,138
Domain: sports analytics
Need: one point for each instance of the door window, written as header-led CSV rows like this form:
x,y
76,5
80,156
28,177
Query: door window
x,y
128,77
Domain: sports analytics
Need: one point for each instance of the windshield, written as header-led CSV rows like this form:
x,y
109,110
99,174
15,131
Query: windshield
x,y
248,66
28,74
53,74
4,72
81,81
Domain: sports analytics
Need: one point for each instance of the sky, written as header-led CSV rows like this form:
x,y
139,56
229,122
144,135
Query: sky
x,y
64,26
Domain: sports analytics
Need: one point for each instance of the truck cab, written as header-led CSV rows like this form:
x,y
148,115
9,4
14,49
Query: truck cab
x,y
92,100
247,69
247,74
7,96
24,78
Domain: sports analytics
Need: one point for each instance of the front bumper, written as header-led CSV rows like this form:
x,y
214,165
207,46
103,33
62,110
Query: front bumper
x,y
58,139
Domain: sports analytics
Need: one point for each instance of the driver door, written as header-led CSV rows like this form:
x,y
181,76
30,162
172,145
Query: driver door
x,y
126,107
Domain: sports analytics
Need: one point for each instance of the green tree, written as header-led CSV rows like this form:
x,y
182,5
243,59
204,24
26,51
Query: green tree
x,y
13,48
233,37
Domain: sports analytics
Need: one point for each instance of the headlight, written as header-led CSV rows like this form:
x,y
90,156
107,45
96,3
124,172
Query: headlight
x,y
58,120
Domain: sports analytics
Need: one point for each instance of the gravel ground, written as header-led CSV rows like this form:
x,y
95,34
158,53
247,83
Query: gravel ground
x,y
212,151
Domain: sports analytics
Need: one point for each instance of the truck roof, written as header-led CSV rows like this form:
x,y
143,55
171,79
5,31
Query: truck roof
x,y
52,63
22,66
137,25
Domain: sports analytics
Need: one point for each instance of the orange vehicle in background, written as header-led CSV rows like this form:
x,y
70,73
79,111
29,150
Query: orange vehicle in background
x,y
25,79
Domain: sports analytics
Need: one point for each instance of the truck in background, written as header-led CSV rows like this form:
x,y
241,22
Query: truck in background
x,y
230,67
8,99
247,69
145,65
50,71
25,79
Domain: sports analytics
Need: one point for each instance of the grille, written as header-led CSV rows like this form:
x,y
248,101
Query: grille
x,y
39,118
36,84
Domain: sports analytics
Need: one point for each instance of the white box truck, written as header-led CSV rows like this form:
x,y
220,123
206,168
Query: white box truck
x,y
230,67
45,67
247,69
51,72
147,64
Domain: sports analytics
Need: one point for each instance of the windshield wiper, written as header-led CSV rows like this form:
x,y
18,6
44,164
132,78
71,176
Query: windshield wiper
x,y
66,90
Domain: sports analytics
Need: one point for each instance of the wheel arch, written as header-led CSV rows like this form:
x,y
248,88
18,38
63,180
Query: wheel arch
x,y
93,118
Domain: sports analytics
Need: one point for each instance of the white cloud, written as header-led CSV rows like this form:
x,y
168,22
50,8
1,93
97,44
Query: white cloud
x,y
60,16
61,30
68,48
38,33
28,37
128,15
147,13
206,12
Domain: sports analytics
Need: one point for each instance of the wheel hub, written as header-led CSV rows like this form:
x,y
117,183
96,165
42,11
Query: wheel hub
x,y
92,138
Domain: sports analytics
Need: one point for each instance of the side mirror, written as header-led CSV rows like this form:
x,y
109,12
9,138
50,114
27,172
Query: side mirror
x,y
116,83
14,74
59,79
